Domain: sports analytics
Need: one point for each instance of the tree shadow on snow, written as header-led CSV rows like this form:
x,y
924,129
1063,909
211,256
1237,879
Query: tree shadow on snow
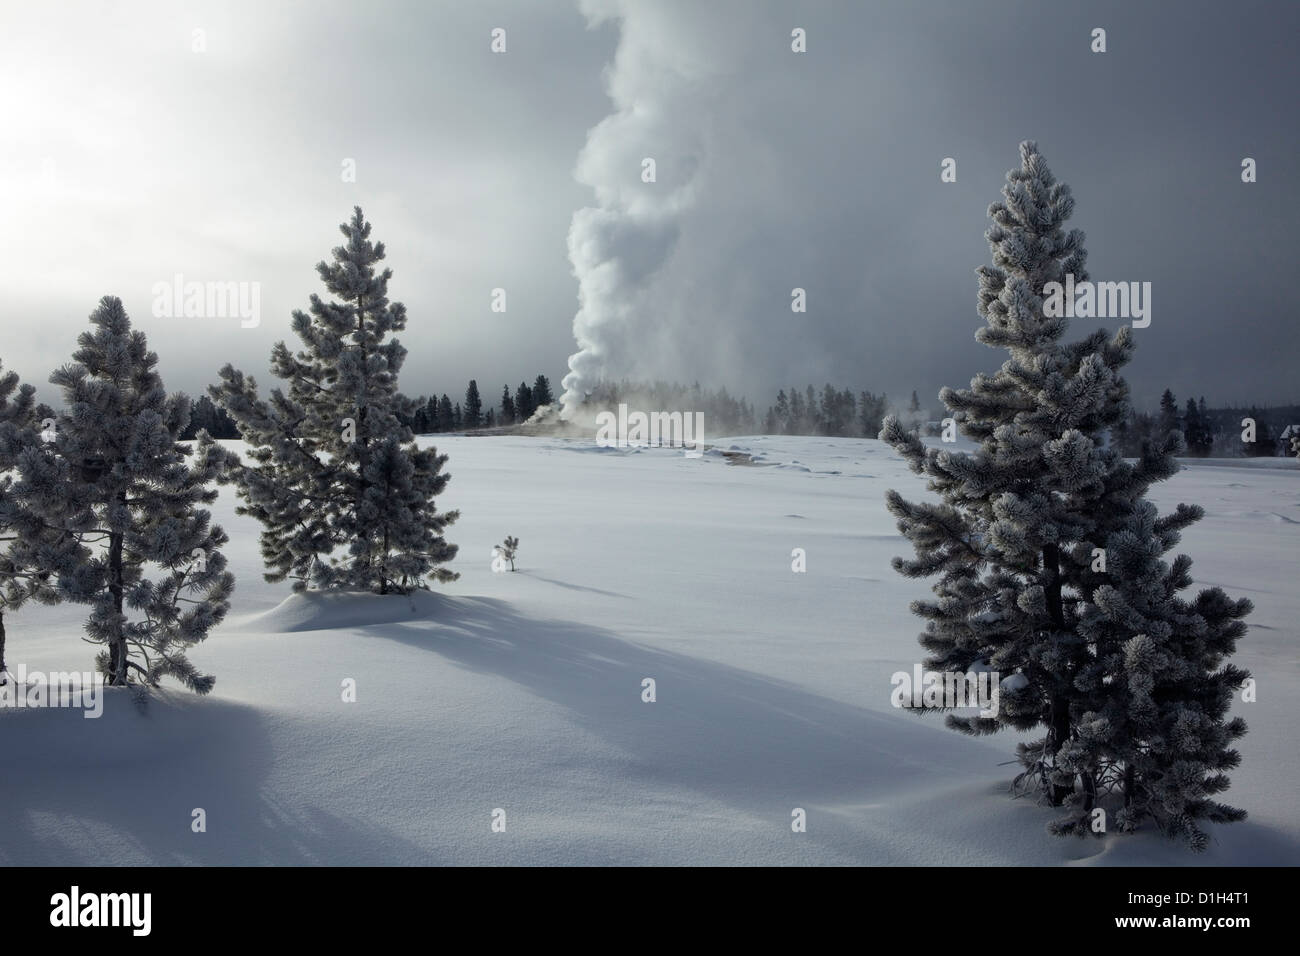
x,y
756,744
121,790
765,746
572,587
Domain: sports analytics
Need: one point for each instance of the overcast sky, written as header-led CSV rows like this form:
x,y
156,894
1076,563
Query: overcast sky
x,y
127,157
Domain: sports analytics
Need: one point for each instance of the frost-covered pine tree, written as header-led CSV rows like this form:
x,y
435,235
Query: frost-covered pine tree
x,y
1048,555
22,534
116,480
332,464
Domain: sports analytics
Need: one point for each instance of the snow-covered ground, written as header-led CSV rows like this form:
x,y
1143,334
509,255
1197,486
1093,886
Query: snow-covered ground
x,y
523,691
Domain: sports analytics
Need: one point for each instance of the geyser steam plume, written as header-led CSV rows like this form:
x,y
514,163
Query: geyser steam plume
x,y
657,83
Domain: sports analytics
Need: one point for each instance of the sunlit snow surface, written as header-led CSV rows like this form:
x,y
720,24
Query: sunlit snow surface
x,y
523,691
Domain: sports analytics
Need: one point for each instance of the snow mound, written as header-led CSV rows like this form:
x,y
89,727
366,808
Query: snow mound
x,y
332,610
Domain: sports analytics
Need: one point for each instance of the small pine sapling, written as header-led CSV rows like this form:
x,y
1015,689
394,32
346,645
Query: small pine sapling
x,y
506,550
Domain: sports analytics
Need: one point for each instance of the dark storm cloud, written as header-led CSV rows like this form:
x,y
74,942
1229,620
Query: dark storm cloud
x,y
776,170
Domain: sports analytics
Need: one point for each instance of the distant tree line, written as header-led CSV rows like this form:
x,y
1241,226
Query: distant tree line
x,y
836,412
440,414
432,413
1207,432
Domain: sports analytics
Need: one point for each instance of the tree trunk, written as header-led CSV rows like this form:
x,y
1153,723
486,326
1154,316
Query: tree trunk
x,y
1090,792
2,647
1052,584
1129,785
362,441
1058,733
117,644
1059,724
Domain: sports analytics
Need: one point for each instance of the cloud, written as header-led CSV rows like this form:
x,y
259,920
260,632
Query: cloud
x,y
774,170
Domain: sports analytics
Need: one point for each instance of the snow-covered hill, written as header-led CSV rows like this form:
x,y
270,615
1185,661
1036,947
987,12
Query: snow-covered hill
x,y
523,692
